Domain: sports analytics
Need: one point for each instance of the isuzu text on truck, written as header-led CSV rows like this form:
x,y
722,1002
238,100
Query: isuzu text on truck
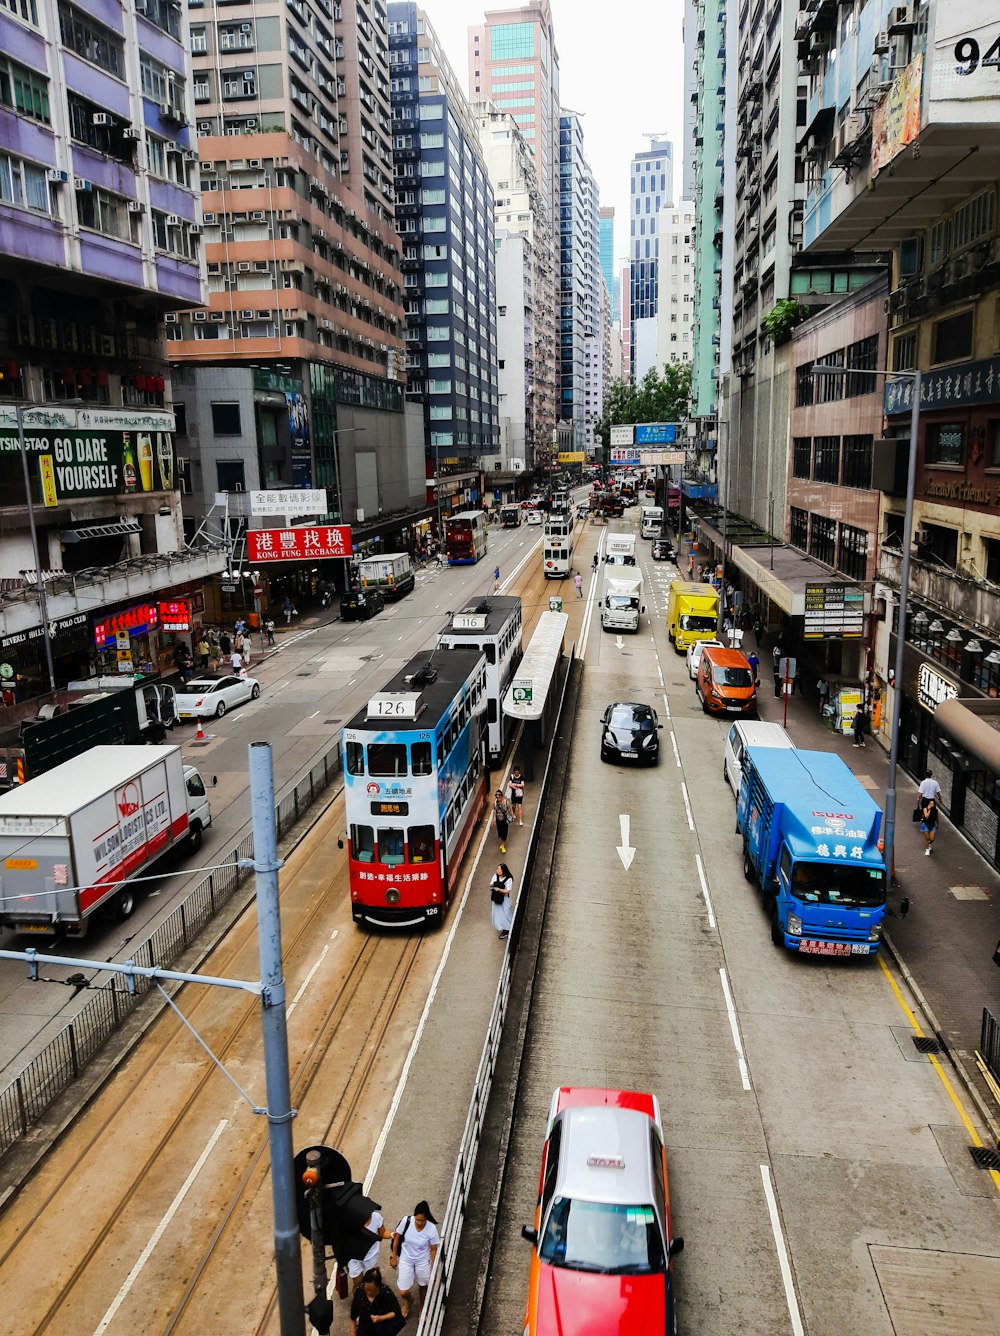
x,y
810,842
72,840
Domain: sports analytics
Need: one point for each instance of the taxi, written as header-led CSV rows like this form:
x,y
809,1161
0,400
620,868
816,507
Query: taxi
x,y
602,1254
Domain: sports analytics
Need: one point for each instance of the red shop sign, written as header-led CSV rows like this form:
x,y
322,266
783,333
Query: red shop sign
x,y
136,621
175,616
305,544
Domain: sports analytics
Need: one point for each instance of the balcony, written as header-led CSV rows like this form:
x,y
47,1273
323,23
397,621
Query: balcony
x,y
71,593
957,595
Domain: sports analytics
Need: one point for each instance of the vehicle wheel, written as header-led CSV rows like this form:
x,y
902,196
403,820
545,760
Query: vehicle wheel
x,y
725,773
195,834
704,702
255,691
220,709
748,869
124,904
604,755
777,936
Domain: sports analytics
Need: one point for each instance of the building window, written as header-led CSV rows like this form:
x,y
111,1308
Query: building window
x,y
805,385
24,91
226,422
231,473
823,539
852,555
992,546
512,41
826,467
830,387
22,9
944,443
91,40
857,462
993,445
862,357
904,352
798,533
952,338
802,457
23,184
103,212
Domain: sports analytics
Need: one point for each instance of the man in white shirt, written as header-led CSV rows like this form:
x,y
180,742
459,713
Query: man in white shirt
x,y
356,1268
929,788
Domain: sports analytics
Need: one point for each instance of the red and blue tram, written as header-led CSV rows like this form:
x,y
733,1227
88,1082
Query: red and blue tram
x,y
415,784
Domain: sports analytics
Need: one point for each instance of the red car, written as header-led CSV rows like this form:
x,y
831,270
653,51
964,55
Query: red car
x,y
602,1252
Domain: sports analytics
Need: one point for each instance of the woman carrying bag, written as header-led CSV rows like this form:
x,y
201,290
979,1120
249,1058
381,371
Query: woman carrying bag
x,y
502,900
503,814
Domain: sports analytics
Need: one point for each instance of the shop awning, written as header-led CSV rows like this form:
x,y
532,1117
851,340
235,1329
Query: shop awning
x,y
112,529
974,724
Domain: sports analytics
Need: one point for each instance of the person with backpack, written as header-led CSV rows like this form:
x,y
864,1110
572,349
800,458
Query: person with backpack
x,y
414,1248
859,724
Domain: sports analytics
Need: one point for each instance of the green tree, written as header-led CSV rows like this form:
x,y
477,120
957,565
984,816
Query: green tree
x,y
657,398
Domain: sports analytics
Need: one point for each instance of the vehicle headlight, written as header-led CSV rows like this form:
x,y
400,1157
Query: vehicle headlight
x,y
875,932
794,926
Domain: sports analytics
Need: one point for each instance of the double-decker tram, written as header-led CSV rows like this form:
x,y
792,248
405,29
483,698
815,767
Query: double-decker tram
x,y
465,539
493,625
415,783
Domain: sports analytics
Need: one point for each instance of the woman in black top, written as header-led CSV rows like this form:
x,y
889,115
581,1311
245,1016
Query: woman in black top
x,y
375,1309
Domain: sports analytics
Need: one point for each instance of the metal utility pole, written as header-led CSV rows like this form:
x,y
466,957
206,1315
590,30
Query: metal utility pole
x,y
287,1249
43,606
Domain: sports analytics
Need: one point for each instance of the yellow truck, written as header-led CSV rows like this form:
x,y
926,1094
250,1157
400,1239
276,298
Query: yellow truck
x,y
692,613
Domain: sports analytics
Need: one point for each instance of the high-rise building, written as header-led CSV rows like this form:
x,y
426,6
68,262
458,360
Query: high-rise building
x,y
522,268
100,235
650,190
300,350
580,280
674,318
696,13
514,65
445,219
607,218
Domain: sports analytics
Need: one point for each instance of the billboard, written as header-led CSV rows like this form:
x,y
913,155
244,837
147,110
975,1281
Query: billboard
x,y
571,456
289,501
655,433
310,543
622,435
896,119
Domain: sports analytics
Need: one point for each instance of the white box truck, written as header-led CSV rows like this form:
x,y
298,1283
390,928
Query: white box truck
x,y
620,549
72,839
621,600
391,574
651,521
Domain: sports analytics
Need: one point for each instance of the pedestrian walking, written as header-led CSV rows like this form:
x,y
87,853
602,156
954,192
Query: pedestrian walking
x,y
375,1310
503,815
214,652
501,900
439,557
288,609
239,642
823,691
236,662
776,656
245,650
517,794
225,645
928,823
204,652
578,583
240,627
414,1247
269,629
496,579
357,1267
758,627
754,663
929,787
859,725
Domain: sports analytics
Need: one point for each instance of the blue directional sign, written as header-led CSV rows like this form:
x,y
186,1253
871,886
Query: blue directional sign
x,y
655,433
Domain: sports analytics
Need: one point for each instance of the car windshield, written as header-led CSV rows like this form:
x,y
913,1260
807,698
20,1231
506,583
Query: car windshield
x,y
621,602
696,622
623,716
838,884
195,688
732,677
614,1239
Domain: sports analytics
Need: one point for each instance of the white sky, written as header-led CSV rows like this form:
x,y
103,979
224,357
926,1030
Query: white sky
x,y
621,62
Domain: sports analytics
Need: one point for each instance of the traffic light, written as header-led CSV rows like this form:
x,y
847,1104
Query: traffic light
x,y
343,1207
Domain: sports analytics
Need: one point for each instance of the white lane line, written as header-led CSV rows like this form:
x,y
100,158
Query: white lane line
x,y
659,673
418,1034
159,1231
687,805
589,613
734,1026
352,681
666,705
795,1317
306,982
673,743
312,716
704,890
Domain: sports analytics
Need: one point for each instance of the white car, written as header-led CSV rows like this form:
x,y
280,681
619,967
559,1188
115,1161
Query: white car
x,y
534,517
211,697
694,654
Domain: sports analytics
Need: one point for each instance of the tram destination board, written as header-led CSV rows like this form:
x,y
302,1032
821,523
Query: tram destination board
x,y
834,610
390,809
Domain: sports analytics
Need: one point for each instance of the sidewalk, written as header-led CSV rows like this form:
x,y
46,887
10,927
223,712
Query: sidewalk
x,y
946,942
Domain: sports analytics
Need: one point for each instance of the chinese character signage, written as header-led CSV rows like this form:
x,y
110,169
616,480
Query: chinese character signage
x,y
626,455
896,119
306,544
833,610
135,621
622,434
655,433
289,501
956,387
571,456
933,687
175,616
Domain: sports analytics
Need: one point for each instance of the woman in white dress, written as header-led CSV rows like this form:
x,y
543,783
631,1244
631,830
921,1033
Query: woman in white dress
x,y
502,899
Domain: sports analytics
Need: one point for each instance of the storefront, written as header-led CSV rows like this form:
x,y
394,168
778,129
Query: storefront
x,y
23,669
143,637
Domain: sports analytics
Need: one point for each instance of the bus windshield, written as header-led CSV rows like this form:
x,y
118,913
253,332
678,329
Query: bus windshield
x,y
838,884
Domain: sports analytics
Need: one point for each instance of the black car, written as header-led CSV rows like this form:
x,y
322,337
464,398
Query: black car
x,y
359,605
663,550
629,732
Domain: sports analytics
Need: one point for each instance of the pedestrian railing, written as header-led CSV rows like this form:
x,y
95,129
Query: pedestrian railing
x,y
435,1306
988,1053
52,1070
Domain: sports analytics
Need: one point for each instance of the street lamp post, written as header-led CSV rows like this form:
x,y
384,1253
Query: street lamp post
x,y
43,606
889,838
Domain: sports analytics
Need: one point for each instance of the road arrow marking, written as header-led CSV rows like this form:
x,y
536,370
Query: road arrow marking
x,y
625,851
619,642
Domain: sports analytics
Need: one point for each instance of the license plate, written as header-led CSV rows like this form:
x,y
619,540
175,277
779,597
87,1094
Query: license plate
x,y
813,948
861,949
734,709
33,927
627,753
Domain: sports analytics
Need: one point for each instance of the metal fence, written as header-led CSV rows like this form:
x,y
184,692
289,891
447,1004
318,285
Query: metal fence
x,y
52,1070
432,1313
988,1054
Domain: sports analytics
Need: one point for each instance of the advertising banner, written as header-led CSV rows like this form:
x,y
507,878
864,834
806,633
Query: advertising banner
x,y
622,435
305,544
655,433
896,119
289,501
571,456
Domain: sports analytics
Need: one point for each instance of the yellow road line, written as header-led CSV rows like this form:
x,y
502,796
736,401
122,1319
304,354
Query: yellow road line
x,y
967,1123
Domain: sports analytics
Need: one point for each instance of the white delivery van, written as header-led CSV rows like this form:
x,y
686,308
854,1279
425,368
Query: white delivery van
x,y
620,549
651,521
749,733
